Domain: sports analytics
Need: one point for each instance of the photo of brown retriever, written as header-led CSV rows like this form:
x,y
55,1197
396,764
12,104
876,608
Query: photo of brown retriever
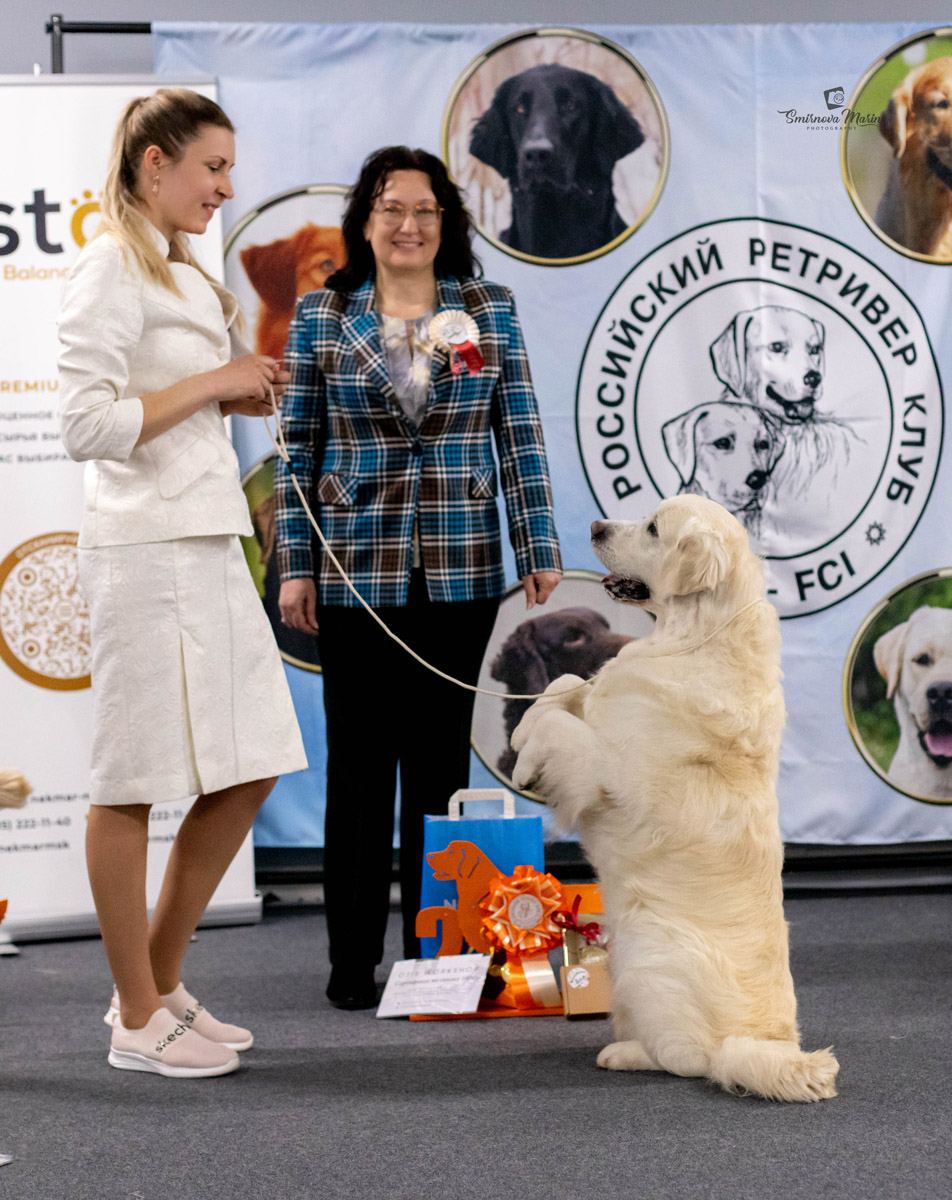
x,y
554,134
284,269
916,208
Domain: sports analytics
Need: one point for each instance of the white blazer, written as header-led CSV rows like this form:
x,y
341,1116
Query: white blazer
x,y
122,336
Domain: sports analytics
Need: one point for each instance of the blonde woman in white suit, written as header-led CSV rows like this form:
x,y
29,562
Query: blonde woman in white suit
x,y
189,693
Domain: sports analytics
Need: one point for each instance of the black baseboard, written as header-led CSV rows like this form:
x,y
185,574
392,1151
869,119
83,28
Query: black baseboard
x,y
805,865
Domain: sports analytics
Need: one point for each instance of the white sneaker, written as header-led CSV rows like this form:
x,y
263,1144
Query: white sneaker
x,y
167,1046
188,1010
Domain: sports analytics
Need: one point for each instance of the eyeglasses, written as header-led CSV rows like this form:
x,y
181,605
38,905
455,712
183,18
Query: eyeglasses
x,y
392,212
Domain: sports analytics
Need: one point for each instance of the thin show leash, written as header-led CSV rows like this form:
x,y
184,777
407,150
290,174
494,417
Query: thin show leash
x,y
281,449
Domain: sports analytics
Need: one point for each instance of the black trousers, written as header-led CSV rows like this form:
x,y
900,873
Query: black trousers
x,y
385,711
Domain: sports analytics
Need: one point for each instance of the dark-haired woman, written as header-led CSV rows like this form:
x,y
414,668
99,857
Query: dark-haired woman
x,y
394,431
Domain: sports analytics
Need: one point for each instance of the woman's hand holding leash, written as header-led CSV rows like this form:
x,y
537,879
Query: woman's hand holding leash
x,y
248,383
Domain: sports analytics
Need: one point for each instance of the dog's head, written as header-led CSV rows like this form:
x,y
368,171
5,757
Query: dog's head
x,y
690,545
459,860
553,127
918,117
726,451
571,641
915,659
772,357
282,270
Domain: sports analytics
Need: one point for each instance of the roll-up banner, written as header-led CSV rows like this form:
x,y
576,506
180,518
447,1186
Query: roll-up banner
x,y
731,252
54,143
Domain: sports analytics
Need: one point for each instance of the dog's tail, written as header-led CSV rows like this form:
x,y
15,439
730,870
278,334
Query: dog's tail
x,y
775,1070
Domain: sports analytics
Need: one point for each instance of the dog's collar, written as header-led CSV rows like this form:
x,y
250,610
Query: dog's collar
x,y
938,168
712,634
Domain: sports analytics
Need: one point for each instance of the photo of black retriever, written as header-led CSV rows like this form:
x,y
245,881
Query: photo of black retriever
x,y
572,641
554,134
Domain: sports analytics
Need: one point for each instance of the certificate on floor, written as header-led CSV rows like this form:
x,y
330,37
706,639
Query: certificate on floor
x,y
451,985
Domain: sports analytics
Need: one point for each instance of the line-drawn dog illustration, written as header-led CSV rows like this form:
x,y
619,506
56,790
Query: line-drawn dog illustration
x,y
727,452
282,270
915,659
554,134
916,208
570,641
667,763
773,357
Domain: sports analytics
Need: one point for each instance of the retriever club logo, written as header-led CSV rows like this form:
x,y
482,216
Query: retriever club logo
x,y
44,622
778,372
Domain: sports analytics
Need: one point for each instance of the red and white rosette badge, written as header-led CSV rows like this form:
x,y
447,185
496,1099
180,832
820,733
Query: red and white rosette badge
x,y
458,331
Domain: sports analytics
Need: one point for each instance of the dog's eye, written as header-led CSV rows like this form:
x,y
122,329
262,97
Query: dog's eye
x,y
328,265
723,443
761,445
813,350
940,104
777,347
923,660
653,529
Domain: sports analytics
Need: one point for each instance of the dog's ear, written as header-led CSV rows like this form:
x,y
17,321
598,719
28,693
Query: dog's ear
x,y
888,652
491,141
727,356
892,121
614,132
698,561
519,664
678,437
272,272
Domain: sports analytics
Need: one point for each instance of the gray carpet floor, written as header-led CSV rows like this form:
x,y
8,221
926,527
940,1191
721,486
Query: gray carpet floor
x,y
332,1105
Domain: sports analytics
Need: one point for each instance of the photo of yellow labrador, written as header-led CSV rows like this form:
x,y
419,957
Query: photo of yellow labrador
x,y
915,659
666,762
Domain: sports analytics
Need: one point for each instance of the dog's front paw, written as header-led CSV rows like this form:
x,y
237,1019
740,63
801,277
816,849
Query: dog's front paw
x,y
527,773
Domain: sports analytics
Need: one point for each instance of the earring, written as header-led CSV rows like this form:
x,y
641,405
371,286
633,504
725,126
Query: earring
x,y
155,184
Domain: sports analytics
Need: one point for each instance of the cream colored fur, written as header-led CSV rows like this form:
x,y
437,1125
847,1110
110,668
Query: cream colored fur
x,y
667,765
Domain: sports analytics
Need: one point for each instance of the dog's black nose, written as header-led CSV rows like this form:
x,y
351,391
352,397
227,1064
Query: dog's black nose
x,y
756,480
599,529
538,152
813,379
939,696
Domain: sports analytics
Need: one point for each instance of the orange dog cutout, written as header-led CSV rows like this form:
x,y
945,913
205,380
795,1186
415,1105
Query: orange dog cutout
x,y
282,270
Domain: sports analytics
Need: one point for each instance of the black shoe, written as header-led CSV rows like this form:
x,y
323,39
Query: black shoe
x,y
350,989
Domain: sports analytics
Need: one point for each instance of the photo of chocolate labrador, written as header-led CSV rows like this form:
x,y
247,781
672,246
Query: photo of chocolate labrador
x,y
773,358
555,133
666,762
727,452
572,641
916,207
284,269
915,659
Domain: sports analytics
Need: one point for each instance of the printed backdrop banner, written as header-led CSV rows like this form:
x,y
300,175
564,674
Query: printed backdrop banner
x,y
729,248
54,143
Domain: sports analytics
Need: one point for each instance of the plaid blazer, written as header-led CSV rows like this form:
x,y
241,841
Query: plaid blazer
x,y
370,472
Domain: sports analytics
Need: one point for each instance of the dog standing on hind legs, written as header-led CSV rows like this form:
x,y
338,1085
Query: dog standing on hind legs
x,y
666,762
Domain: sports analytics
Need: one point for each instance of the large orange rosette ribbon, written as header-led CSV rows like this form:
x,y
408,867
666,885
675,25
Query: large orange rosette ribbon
x,y
518,913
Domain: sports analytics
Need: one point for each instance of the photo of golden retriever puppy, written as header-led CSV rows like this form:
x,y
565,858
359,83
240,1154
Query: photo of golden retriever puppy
x,y
667,763
916,208
915,659
284,269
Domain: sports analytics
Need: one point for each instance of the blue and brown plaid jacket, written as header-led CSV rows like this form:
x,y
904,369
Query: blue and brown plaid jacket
x,y
369,471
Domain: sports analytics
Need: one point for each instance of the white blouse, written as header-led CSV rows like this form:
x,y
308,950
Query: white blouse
x,y
122,336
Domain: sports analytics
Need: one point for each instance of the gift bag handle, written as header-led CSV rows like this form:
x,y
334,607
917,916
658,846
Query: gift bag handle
x,y
468,795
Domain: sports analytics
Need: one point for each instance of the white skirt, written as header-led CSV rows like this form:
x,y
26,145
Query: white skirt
x,y
189,692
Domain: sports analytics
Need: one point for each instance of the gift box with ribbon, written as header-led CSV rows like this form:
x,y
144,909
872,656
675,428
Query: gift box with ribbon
x,y
586,984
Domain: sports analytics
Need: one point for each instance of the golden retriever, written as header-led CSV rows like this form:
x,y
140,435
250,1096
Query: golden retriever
x,y
666,762
916,207
915,659
282,270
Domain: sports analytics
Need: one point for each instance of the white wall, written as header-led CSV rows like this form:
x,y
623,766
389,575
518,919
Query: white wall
x,y
23,41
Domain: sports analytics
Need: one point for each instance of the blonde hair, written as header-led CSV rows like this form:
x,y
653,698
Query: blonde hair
x,y
170,118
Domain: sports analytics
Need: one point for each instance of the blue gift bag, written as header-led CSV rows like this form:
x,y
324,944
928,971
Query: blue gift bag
x,y
505,842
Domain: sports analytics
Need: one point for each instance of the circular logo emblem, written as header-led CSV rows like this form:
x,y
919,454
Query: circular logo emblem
x,y
525,912
778,372
578,977
44,622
